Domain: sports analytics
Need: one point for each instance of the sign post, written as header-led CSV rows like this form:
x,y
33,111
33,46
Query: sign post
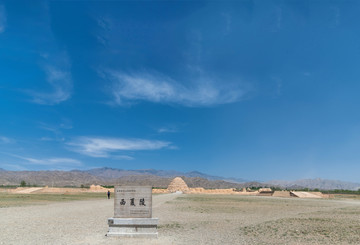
x,y
133,213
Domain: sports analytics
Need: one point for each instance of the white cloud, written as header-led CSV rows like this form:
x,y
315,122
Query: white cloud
x,y
56,162
102,147
228,22
12,167
105,25
279,17
61,82
158,88
167,130
337,16
2,18
6,140
279,84
46,139
123,157
51,161
53,61
56,129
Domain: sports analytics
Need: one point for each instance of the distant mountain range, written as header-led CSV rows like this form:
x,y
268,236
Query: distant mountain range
x,y
111,176
111,173
322,184
156,178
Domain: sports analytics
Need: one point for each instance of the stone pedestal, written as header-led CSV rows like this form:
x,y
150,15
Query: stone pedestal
x,y
133,213
133,227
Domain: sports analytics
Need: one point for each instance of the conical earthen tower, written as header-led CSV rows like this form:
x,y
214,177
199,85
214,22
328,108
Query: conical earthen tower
x,y
178,184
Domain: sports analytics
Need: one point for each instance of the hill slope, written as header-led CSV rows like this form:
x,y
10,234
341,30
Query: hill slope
x,y
111,173
108,176
156,178
322,184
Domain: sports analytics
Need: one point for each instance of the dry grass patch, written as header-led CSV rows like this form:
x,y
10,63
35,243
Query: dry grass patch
x,y
335,230
347,196
231,219
11,200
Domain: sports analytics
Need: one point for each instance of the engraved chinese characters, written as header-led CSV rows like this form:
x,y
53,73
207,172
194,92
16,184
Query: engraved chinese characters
x,y
132,202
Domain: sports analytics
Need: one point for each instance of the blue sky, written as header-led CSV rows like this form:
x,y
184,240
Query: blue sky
x,y
252,89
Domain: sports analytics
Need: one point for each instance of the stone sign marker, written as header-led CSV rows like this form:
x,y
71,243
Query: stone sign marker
x,y
133,202
133,213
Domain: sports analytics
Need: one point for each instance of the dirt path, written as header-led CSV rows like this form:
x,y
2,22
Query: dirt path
x,y
186,220
159,200
77,222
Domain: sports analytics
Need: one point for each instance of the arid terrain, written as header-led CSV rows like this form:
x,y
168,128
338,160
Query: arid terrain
x,y
155,178
183,219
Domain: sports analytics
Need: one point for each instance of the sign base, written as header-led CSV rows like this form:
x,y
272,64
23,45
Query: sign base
x,y
133,227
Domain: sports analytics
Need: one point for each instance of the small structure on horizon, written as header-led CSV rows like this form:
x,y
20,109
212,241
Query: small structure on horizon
x,y
178,184
304,194
265,192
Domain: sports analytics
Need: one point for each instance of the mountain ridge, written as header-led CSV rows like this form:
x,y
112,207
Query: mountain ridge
x,y
157,178
77,178
317,183
112,172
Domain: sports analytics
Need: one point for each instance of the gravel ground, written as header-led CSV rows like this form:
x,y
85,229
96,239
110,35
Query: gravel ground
x,y
191,219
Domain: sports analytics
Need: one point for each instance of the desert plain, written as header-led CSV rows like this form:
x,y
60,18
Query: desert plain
x,y
183,219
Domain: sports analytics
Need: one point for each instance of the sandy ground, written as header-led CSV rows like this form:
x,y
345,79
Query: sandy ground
x,y
191,219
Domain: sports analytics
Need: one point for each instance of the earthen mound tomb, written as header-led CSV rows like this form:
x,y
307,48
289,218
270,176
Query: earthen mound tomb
x,y
178,184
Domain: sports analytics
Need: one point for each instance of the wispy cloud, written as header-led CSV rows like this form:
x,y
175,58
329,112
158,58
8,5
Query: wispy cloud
x,y
56,129
123,157
279,84
276,19
47,139
2,19
167,130
6,140
54,161
12,167
128,88
105,26
228,22
103,147
61,82
50,161
54,62
279,18
65,124
337,16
